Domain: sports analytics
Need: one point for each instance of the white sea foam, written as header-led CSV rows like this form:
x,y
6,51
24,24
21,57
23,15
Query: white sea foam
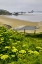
x,y
34,17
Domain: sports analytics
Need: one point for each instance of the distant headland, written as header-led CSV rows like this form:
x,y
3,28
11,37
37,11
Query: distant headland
x,y
4,12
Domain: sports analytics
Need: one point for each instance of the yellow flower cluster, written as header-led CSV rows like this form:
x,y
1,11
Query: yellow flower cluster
x,y
34,52
24,45
22,51
7,47
39,48
14,49
30,51
4,57
12,55
2,39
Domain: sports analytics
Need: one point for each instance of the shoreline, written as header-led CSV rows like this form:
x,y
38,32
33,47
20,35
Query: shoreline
x,y
16,23
19,22
30,17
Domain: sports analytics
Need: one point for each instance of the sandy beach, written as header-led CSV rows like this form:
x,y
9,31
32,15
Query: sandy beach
x,y
16,23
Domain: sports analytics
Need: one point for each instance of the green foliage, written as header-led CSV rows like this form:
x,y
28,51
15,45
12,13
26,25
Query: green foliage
x,y
4,12
15,48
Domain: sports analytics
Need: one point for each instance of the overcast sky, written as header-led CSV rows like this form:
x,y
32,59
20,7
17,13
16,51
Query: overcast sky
x,y
21,5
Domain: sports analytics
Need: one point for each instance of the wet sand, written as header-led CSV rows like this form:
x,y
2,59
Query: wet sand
x,y
16,23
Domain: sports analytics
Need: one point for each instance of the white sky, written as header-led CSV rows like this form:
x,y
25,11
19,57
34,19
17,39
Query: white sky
x,y
21,5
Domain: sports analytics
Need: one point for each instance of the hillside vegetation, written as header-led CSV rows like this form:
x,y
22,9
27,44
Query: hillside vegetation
x,y
4,12
17,48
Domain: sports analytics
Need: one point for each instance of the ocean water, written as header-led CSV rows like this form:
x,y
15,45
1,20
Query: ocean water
x,y
33,17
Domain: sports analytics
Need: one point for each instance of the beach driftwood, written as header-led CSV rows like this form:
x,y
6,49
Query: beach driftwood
x,y
27,28
8,26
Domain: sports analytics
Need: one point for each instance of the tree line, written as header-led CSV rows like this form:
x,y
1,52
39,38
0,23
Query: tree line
x,y
4,12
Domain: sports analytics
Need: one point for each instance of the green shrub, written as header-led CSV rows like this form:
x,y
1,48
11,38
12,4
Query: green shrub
x,y
15,48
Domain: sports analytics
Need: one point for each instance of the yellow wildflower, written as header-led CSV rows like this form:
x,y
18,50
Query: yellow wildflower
x,y
4,57
13,47
7,47
13,55
39,48
24,45
14,50
22,51
36,53
2,39
30,51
